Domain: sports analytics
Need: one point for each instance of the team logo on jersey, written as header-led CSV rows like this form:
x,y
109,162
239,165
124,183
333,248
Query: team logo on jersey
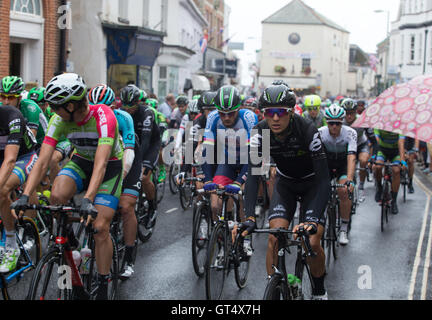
x,y
316,143
147,121
255,141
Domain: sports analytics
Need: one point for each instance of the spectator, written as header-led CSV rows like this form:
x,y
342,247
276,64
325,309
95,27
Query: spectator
x,y
167,107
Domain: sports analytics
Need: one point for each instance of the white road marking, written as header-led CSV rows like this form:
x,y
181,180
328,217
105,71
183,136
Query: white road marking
x,y
420,242
426,264
171,210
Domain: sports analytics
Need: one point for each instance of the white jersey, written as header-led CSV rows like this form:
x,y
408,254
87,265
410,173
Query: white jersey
x,y
341,146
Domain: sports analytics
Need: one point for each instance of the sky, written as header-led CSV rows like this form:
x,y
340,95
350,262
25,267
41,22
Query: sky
x,y
366,27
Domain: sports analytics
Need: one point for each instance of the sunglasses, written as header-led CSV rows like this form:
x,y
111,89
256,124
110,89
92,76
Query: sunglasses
x,y
56,107
9,96
227,114
312,109
270,113
331,124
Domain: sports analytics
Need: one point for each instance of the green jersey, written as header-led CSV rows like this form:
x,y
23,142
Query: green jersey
x,y
388,140
36,119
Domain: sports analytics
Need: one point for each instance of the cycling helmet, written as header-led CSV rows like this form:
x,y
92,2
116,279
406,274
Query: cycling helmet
x,y
130,95
65,88
207,100
12,85
277,95
312,101
361,102
228,99
152,103
349,104
251,102
37,94
193,107
335,113
182,101
143,96
101,94
280,82
196,97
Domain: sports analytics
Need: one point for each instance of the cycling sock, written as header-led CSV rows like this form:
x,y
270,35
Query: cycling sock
x,y
344,226
394,196
11,240
129,254
319,289
102,293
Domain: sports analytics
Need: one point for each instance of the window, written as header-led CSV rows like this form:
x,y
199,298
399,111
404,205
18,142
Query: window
x,y
162,87
173,80
123,9
412,48
420,50
27,6
306,66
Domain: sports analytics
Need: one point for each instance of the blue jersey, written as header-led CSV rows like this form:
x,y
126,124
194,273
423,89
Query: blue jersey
x,y
126,128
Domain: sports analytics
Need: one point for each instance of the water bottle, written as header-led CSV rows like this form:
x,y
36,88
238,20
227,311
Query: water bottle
x,y
85,257
292,284
76,258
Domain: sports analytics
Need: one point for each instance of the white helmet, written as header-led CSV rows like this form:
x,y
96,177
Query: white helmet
x,y
65,88
193,106
335,113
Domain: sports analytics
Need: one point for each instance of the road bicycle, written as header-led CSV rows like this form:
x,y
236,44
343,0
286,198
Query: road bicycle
x,y
279,287
187,189
30,247
225,254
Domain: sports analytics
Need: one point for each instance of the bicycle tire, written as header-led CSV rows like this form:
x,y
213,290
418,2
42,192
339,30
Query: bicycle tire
x,y
90,281
241,263
277,289
219,238
384,205
47,263
199,246
261,218
172,184
141,213
307,284
31,233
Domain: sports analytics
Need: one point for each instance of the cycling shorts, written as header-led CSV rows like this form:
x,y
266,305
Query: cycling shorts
x,y
338,169
80,170
385,154
363,148
23,166
285,194
132,182
409,145
226,174
151,158
65,148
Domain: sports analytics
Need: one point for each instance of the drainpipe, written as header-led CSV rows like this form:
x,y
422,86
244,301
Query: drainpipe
x,y
62,50
424,62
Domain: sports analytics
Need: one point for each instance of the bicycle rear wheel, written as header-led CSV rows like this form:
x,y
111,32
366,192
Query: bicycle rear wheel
x,y
185,193
241,263
142,212
29,236
173,171
384,205
277,289
49,281
200,237
217,262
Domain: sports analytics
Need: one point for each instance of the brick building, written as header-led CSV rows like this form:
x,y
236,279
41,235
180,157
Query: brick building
x,y
31,41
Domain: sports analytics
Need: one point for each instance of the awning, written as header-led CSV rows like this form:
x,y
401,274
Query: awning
x,y
200,83
132,45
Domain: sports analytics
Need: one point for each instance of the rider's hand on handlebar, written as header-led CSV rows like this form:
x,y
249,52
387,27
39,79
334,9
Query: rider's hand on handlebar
x,y
404,165
19,206
87,210
210,186
233,188
310,227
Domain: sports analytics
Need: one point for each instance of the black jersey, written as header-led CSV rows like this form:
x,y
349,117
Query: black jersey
x,y
146,129
14,131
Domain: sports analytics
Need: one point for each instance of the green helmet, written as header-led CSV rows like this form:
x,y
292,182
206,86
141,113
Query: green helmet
x,y
152,102
312,101
12,85
196,97
37,94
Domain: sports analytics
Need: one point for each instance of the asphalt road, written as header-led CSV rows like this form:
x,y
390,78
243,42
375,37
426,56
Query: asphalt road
x,y
376,265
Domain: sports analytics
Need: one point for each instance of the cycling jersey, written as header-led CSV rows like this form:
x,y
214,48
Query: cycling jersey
x,y
388,140
99,127
126,128
36,119
241,129
13,131
302,169
362,137
64,146
319,121
341,146
182,129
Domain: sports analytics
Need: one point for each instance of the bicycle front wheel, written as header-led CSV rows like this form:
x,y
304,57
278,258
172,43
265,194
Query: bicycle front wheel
x,y
302,272
217,262
241,262
173,171
277,289
200,237
29,236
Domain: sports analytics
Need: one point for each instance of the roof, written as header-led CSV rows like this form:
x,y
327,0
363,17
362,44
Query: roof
x,y
297,12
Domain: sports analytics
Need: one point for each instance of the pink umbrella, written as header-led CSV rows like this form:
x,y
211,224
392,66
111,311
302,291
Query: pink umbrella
x,y
405,109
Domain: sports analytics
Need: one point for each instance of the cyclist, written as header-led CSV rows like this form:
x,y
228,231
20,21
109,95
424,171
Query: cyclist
x,y
95,166
102,94
313,112
361,106
391,146
192,113
178,114
363,136
252,105
302,171
17,157
64,148
229,175
147,152
411,148
340,142
11,89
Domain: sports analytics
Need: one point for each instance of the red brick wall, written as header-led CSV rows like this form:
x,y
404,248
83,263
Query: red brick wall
x,y
4,37
52,39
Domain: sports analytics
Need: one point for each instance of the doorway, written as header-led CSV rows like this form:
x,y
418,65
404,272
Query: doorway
x,y
15,67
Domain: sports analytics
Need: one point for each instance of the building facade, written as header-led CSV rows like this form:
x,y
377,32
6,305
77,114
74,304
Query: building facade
x,y
33,39
361,76
307,50
410,42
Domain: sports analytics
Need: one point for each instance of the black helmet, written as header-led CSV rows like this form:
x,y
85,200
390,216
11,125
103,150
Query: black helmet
x,y
130,95
280,82
207,100
182,100
277,95
348,104
228,99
